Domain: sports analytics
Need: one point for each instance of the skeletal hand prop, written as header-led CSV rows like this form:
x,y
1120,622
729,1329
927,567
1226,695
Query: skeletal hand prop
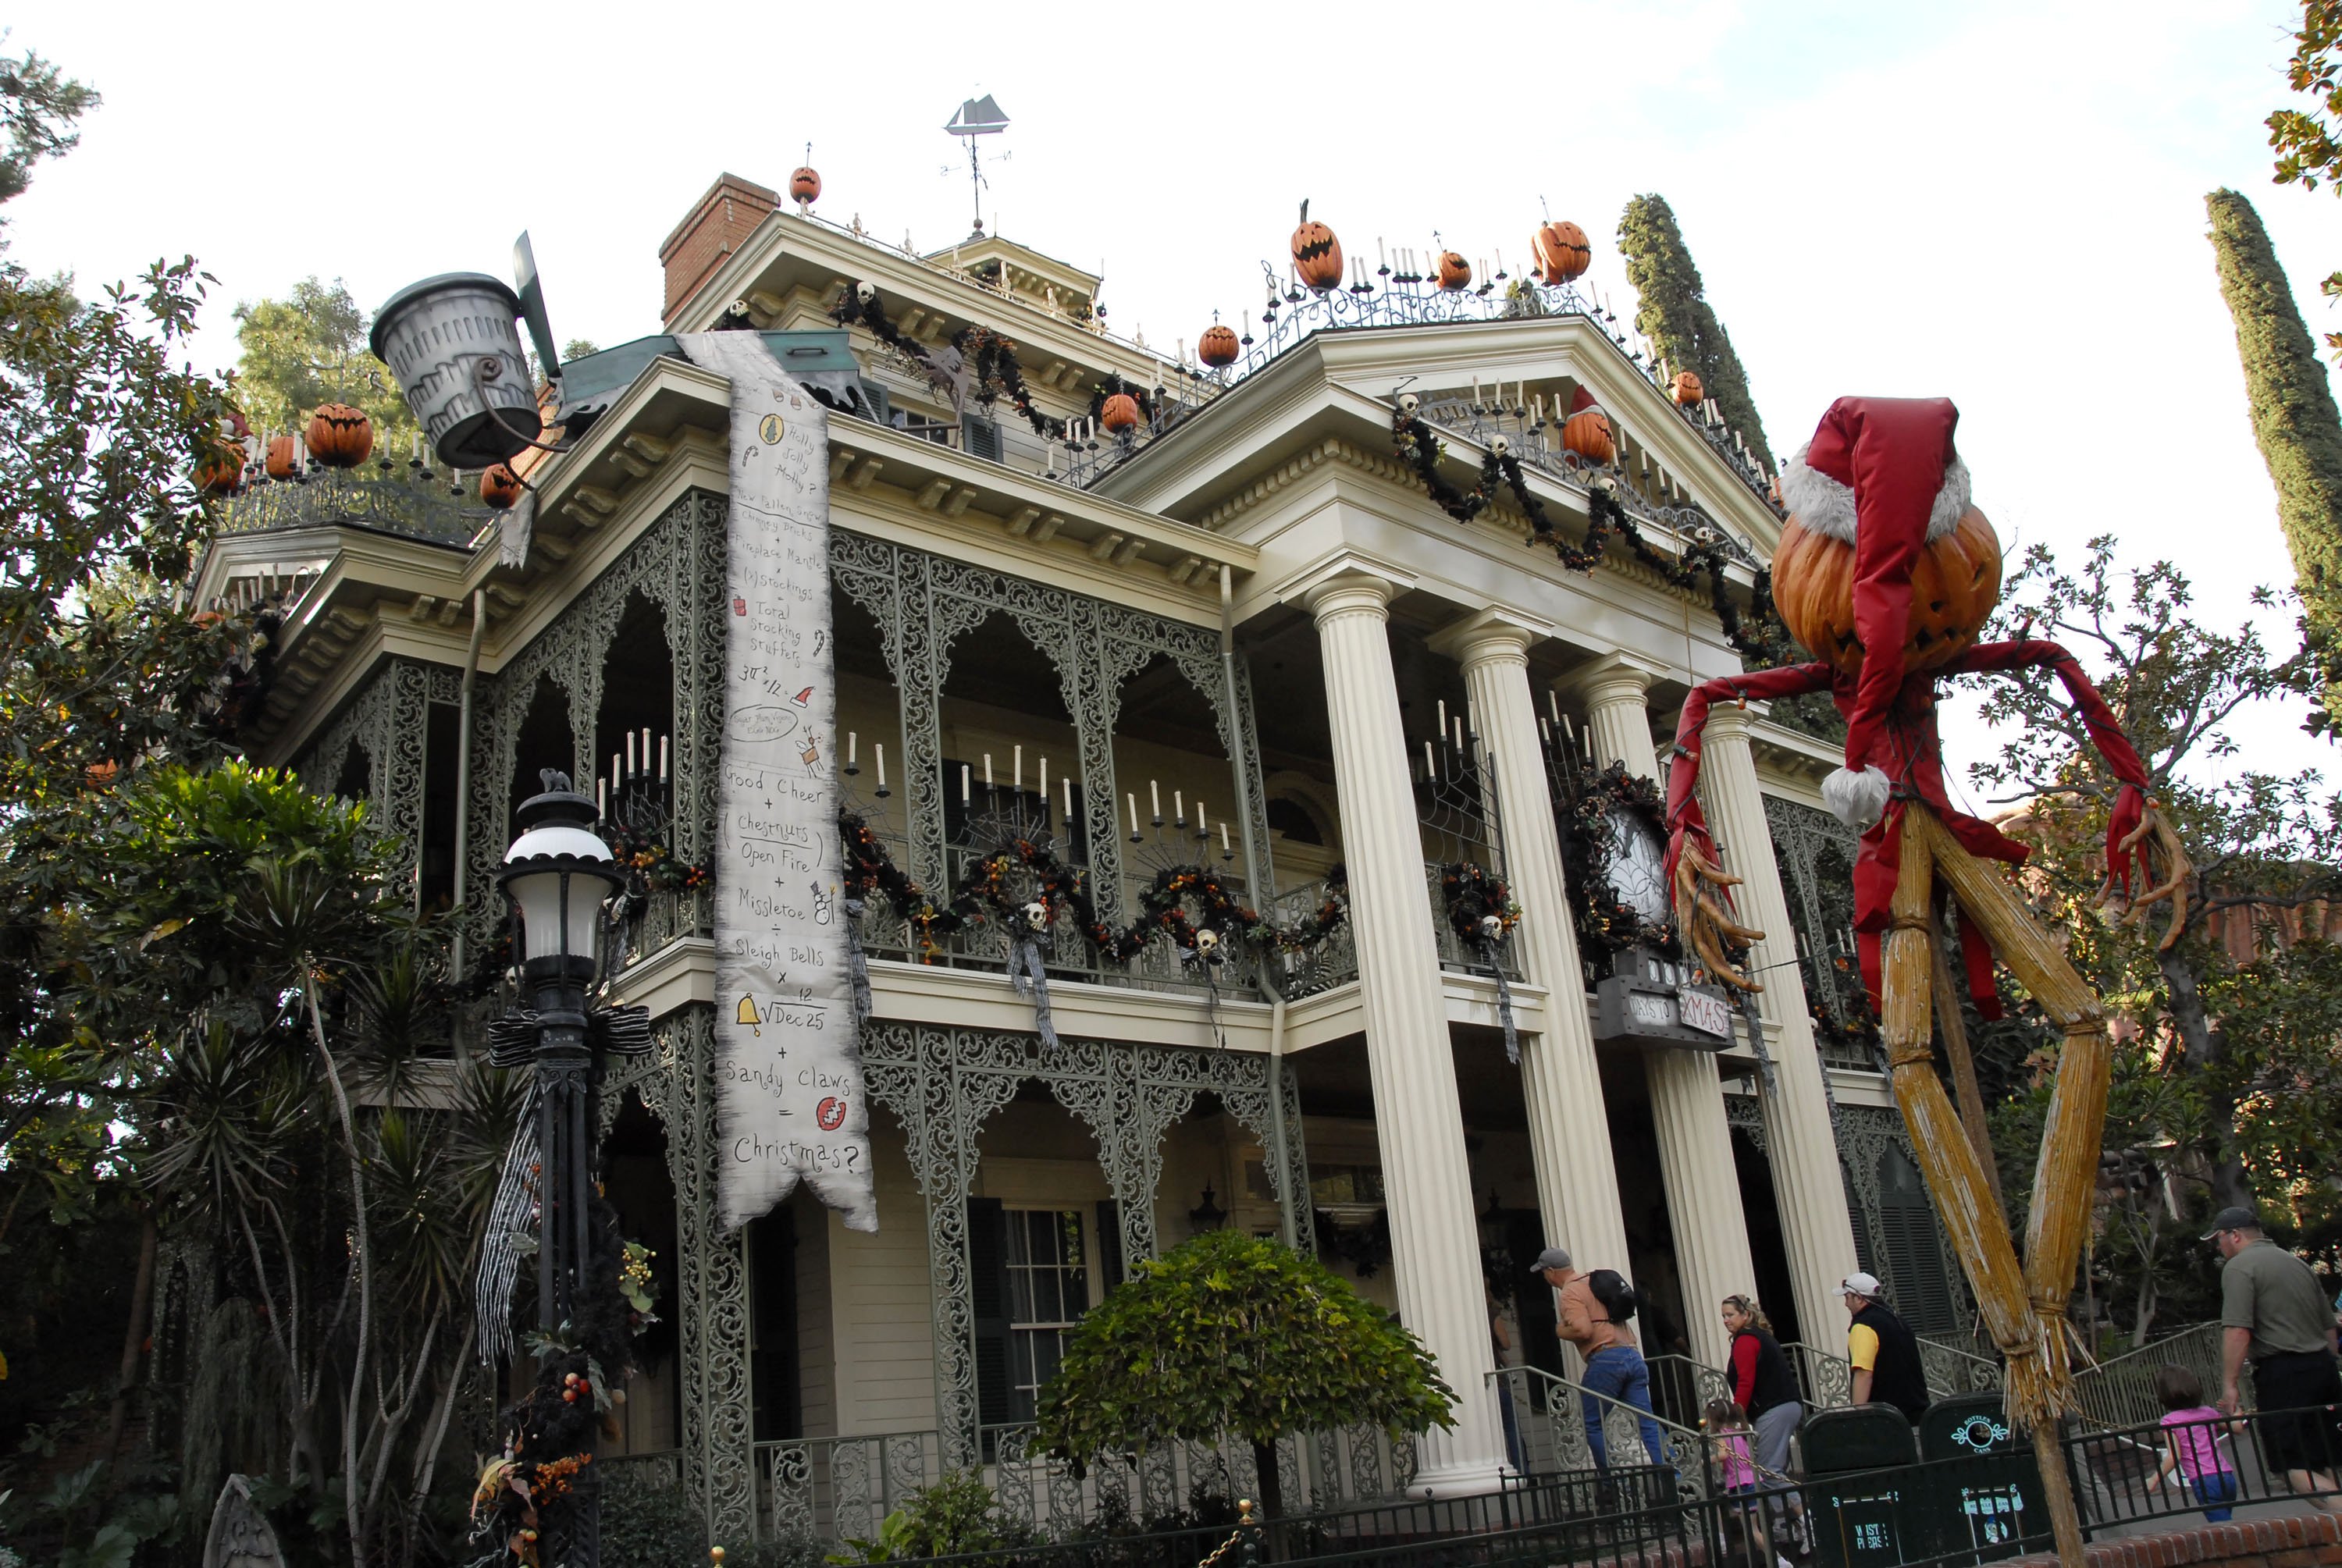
x,y
1701,918
2152,841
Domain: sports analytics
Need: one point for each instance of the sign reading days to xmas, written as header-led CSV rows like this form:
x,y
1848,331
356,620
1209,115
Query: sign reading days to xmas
x,y
788,1069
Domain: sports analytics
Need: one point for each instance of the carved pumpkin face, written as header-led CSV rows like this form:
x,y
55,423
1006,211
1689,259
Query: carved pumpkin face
x,y
1217,346
1687,390
340,436
1587,433
805,186
1119,413
1562,252
280,460
1455,272
500,487
1317,255
1954,586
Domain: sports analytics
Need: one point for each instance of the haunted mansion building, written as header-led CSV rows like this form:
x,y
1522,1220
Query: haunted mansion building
x,y
1293,653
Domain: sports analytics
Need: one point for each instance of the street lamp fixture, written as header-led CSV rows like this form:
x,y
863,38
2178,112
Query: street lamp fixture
x,y
559,876
1207,1215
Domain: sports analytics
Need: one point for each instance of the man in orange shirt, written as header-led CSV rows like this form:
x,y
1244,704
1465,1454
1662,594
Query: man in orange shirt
x,y
1614,1373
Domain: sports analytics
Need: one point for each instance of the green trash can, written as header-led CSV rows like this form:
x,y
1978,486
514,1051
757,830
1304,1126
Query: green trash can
x,y
1984,1484
1861,1488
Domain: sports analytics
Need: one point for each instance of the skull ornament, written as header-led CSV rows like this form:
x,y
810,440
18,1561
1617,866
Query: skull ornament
x,y
1500,444
1037,916
1408,404
863,292
1207,942
1491,927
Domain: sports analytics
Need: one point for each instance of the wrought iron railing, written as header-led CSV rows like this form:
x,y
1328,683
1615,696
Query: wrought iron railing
x,y
1681,1387
1549,1417
387,495
2120,1390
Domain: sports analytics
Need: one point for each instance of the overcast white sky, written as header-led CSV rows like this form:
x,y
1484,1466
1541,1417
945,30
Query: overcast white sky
x,y
1999,201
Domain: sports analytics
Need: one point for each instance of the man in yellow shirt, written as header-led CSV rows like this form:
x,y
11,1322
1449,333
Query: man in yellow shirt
x,y
1882,1350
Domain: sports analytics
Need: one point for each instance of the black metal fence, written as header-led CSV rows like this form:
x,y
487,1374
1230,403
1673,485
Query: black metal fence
x,y
1983,1504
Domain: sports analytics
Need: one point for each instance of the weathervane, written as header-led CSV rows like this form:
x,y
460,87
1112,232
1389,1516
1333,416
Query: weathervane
x,y
977,117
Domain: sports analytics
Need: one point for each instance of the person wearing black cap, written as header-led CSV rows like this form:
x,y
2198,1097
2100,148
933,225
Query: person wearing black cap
x,y
2272,1312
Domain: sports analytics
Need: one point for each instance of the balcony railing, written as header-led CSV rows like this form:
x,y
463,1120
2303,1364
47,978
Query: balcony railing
x,y
390,496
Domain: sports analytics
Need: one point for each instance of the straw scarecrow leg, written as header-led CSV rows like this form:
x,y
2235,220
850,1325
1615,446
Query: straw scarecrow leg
x,y
2023,1308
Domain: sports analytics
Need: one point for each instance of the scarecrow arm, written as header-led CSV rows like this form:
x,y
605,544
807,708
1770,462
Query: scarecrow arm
x,y
1703,906
2137,831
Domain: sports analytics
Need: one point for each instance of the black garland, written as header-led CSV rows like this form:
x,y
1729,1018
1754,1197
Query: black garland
x,y
1471,896
988,364
1421,450
983,895
1606,925
1841,1008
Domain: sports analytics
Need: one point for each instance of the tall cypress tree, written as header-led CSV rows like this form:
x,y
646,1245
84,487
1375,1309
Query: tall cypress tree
x,y
2294,418
1674,315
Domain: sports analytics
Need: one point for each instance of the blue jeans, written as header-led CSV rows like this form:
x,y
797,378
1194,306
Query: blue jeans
x,y
2218,1488
1621,1373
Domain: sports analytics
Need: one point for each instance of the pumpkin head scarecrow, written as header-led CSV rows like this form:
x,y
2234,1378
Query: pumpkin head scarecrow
x,y
1887,572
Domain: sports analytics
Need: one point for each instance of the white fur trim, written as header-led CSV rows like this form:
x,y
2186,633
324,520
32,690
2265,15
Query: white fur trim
x,y
1826,506
1855,799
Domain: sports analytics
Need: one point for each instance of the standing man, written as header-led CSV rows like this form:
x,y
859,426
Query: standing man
x,y
1615,1370
1882,1349
2273,1311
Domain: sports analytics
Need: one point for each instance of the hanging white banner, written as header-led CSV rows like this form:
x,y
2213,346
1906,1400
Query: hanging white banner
x,y
788,1068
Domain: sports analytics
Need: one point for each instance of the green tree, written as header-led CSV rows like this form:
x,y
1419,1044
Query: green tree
x,y
38,107
308,348
2294,419
1672,311
2226,1082
1233,1335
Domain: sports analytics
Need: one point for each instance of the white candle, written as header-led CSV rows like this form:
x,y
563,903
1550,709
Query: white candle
x,y
1459,733
646,748
630,753
852,743
988,770
880,752
663,740
1068,785
1045,783
1178,807
1154,796
1380,259
1553,705
1017,770
962,783
1430,770
1443,718
1500,258
617,779
601,798
1134,813
1544,733
1224,838
1200,828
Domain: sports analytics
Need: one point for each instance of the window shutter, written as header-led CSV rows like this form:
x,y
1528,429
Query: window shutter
x,y
979,437
1914,1260
1109,1244
987,1285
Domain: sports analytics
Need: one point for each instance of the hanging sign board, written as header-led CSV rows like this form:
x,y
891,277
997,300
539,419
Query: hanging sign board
x,y
788,1069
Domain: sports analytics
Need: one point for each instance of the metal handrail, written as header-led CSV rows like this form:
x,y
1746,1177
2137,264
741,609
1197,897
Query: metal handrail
x,y
1561,1403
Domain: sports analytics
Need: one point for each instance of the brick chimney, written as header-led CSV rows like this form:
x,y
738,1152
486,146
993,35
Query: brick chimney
x,y
713,229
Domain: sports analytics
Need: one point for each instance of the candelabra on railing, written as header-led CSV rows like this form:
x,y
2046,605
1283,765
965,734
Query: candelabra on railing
x,y
663,896
399,498
1091,450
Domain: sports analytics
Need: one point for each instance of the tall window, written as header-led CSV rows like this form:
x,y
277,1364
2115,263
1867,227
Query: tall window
x,y
1048,1291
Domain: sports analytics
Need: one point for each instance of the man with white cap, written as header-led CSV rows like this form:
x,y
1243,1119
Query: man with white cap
x,y
1882,1350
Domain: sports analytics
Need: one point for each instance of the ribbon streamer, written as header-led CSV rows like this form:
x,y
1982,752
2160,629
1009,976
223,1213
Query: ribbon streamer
x,y
499,1269
1025,959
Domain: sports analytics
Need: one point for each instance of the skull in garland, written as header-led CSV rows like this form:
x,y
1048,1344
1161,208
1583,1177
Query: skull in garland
x,y
1037,916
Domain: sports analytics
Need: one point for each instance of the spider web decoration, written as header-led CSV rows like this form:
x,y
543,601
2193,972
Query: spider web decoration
x,y
1613,849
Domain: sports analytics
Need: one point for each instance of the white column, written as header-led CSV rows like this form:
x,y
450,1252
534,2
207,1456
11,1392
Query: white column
x,y
1711,1233
1419,1123
1802,1146
1569,1133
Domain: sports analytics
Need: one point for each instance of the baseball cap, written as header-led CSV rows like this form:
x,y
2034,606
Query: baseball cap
x,y
2232,1218
1551,1258
1859,1285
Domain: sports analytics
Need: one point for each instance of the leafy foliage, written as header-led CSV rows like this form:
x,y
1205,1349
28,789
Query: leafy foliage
x,y
1673,312
2294,417
310,347
1230,1333
2226,1076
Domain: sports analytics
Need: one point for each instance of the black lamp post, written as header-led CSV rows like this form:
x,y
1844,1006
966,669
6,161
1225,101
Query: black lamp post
x,y
558,876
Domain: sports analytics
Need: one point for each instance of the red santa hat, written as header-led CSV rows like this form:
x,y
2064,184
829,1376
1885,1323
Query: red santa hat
x,y
1881,475
1582,401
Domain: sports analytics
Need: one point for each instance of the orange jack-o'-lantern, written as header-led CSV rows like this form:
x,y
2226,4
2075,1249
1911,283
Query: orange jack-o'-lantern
x,y
220,470
1954,586
1119,413
281,461
1316,253
1687,390
1561,251
1587,433
340,436
1217,346
805,186
1455,272
500,487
